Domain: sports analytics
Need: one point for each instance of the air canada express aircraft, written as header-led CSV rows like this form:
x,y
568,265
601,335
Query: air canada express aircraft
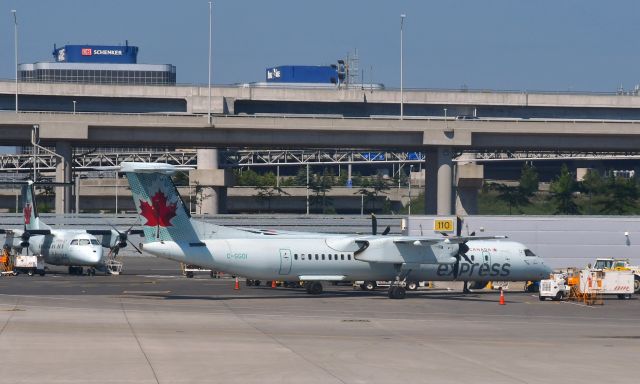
x,y
75,248
170,232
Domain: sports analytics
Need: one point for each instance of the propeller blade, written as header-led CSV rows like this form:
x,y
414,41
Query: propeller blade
x,y
374,225
386,230
458,226
134,246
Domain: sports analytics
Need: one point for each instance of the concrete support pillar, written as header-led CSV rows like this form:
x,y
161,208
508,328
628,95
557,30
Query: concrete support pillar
x,y
469,179
439,179
63,175
213,182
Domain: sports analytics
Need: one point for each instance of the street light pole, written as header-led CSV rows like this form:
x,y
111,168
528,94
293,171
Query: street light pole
x,y
402,16
15,33
210,22
410,170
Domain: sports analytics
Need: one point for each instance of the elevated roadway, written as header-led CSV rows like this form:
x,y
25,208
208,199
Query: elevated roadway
x,y
438,138
89,129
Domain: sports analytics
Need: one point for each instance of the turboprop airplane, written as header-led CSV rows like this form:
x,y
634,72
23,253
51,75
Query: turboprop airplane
x,y
170,232
75,248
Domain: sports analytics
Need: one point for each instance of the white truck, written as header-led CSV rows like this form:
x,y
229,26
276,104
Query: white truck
x,y
610,263
554,288
29,265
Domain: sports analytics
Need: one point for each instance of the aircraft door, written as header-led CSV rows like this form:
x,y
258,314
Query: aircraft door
x,y
285,261
486,263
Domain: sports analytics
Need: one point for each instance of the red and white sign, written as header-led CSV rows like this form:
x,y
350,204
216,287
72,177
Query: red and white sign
x,y
87,52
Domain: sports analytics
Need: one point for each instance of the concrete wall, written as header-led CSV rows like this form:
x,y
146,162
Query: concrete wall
x,y
563,241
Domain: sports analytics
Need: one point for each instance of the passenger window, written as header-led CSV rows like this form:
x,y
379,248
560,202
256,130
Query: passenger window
x,y
528,252
348,257
335,257
323,256
295,257
341,257
329,257
317,257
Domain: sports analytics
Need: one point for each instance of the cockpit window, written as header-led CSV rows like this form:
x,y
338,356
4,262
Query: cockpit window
x,y
84,242
74,242
527,252
94,242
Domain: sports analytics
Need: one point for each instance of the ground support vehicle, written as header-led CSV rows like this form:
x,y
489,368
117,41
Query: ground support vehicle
x,y
189,270
611,263
29,264
554,288
372,285
6,263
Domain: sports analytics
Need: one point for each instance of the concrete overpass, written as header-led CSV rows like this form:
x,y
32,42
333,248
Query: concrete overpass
x,y
438,138
351,102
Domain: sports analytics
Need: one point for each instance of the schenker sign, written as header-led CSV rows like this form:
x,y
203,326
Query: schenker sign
x,y
105,52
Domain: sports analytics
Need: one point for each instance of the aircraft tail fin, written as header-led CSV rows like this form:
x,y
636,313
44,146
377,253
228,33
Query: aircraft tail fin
x,y
163,214
30,207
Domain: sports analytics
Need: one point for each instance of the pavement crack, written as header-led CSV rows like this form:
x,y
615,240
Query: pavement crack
x,y
135,335
272,337
13,311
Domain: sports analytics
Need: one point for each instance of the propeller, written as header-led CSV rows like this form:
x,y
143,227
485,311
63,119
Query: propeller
x,y
374,226
123,239
463,248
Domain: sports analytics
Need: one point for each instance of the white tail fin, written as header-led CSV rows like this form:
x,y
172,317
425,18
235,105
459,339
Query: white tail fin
x,y
161,210
29,207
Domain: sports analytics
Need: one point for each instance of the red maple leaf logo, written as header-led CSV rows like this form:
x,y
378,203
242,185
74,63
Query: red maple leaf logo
x,y
27,213
159,213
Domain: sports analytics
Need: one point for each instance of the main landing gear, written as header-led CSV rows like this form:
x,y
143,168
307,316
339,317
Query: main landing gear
x,y
313,287
397,289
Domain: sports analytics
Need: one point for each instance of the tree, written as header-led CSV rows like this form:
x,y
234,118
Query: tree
x,y
594,187
529,180
513,196
371,189
201,195
622,196
562,190
320,185
518,196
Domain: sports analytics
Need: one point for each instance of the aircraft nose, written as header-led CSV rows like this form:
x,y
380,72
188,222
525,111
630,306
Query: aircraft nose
x,y
545,271
96,255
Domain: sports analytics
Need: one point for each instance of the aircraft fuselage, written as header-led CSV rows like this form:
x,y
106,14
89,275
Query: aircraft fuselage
x,y
291,258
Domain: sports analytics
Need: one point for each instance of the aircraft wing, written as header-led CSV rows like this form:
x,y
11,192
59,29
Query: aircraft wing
x,y
422,240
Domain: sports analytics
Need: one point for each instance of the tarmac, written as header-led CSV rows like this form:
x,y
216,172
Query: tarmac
x,y
152,325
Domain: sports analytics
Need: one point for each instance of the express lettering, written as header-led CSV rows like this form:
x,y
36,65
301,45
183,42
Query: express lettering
x,y
467,269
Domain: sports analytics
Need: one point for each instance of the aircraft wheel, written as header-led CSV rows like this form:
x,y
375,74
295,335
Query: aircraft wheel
x,y
412,285
256,283
315,288
397,293
248,282
368,285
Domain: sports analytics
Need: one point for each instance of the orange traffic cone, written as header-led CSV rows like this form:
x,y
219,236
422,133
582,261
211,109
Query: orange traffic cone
x,y
501,297
273,283
237,287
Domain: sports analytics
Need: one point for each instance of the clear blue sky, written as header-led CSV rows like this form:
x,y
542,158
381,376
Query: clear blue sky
x,y
559,45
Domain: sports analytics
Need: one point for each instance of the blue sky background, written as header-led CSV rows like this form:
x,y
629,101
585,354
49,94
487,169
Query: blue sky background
x,y
578,45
